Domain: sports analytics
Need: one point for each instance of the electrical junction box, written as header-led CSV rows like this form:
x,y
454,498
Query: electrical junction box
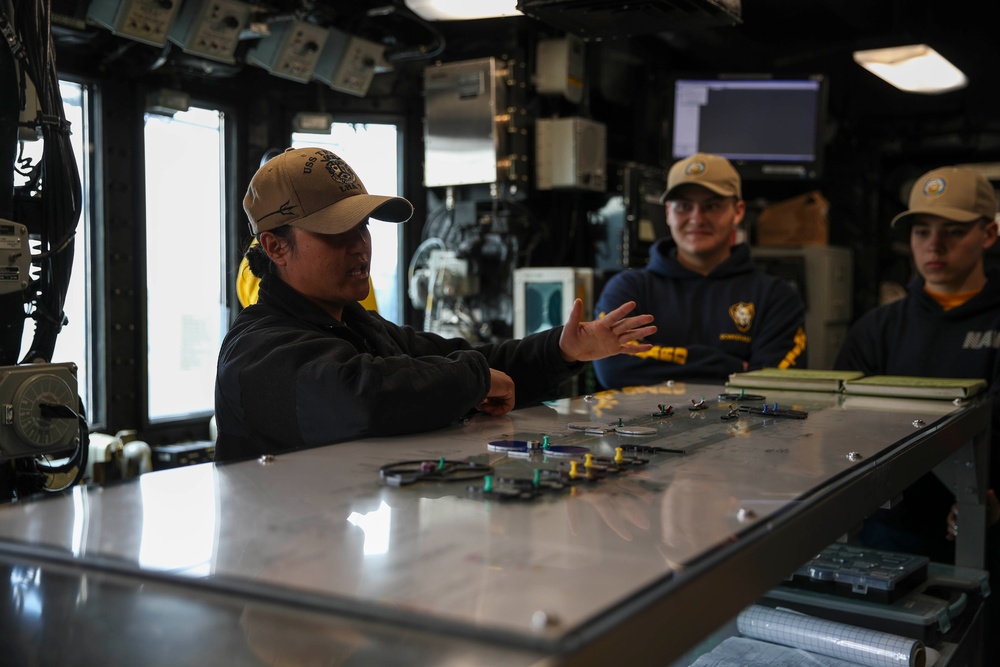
x,y
291,51
15,257
347,63
146,21
570,153
466,122
39,406
210,28
560,68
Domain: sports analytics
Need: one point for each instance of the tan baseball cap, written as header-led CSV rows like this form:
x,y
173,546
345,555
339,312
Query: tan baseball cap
x,y
317,190
710,171
954,193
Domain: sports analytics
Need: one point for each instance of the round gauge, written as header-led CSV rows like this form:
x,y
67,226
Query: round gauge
x,y
29,424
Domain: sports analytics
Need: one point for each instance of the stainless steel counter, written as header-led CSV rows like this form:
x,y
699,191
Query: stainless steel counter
x,y
311,558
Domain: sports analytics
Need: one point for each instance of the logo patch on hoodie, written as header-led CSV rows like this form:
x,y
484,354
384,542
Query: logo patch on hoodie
x,y
981,340
742,314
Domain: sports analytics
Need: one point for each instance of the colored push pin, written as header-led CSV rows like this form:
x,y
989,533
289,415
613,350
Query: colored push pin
x,y
621,422
441,463
545,442
763,410
618,455
775,407
426,466
588,460
572,470
488,484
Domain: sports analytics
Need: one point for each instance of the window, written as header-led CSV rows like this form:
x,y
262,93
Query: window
x,y
372,149
185,214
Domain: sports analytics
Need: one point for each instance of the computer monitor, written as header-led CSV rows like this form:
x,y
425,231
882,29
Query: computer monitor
x,y
544,296
768,127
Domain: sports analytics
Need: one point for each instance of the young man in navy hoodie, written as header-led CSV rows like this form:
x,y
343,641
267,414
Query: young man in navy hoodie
x,y
948,325
716,313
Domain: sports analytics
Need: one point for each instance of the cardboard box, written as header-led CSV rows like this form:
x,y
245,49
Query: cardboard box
x,y
795,222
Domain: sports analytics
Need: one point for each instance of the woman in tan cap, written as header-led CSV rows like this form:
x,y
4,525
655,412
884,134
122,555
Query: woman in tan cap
x,y
307,365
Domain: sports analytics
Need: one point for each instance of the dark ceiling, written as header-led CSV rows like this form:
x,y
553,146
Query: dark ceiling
x,y
818,37
684,36
769,36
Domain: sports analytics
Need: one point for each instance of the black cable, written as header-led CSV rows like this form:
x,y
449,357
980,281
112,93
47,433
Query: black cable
x,y
58,182
12,303
32,475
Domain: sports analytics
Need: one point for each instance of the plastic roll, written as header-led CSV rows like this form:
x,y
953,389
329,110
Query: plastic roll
x,y
836,640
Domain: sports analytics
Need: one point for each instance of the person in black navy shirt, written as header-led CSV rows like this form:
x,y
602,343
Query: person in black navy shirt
x,y
947,325
716,313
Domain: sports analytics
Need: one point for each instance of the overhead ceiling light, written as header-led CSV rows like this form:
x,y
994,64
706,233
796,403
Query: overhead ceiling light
x,y
461,10
916,68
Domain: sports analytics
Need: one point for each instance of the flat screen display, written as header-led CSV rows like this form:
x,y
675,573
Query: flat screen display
x,y
766,127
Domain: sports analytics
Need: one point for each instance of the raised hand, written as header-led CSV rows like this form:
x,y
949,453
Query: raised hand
x,y
612,334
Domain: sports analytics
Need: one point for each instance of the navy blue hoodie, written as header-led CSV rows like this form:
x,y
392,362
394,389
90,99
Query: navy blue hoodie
x,y
916,336
707,326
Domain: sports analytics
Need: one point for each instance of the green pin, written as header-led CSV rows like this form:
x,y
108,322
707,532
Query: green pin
x,y
545,442
620,422
441,463
488,483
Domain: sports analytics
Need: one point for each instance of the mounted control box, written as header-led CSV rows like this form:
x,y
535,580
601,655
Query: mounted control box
x,y
348,63
291,51
211,28
147,21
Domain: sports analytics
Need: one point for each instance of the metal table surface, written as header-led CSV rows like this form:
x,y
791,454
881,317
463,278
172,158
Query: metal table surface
x,y
312,558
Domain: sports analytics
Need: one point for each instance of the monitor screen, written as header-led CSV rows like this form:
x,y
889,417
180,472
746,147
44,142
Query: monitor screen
x,y
768,128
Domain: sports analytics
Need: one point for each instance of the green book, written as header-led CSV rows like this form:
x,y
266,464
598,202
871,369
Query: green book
x,y
793,379
905,386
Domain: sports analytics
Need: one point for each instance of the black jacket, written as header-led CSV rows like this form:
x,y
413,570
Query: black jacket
x,y
290,376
